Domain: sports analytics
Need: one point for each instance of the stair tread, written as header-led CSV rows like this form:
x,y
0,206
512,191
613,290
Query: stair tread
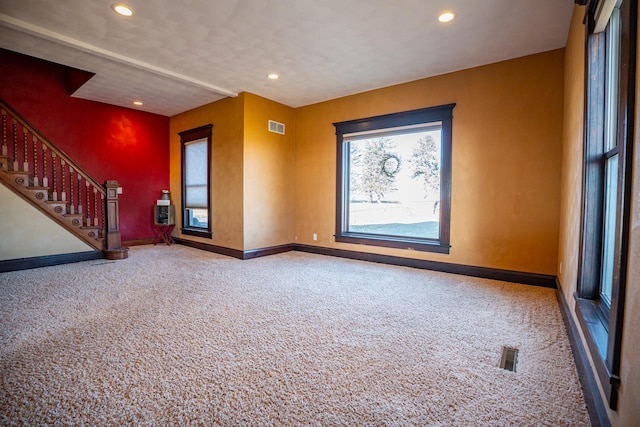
x,y
76,215
60,202
31,187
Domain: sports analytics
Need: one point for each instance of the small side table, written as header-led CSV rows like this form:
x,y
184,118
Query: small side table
x,y
163,232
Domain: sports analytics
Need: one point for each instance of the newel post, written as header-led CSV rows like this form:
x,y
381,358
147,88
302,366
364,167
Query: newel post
x,y
114,249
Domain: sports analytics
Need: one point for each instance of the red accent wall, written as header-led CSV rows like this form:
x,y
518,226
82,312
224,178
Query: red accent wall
x,y
108,142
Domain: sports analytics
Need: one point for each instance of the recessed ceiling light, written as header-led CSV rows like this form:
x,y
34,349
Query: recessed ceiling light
x,y
446,16
273,76
137,103
121,9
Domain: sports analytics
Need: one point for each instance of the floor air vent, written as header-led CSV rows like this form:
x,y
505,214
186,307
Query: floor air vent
x,y
509,358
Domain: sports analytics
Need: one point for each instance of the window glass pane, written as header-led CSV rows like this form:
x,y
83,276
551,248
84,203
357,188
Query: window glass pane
x,y
196,174
394,183
609,231
197,218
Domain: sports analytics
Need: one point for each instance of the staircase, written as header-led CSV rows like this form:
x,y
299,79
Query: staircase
x,y
48,179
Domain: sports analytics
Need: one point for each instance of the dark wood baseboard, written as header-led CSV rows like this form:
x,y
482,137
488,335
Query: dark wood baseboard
x,y
590,390
137,242
535,279
255,253
48,260
235,253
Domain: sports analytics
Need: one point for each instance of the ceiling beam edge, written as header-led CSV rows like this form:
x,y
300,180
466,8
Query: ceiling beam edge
x,y
43,33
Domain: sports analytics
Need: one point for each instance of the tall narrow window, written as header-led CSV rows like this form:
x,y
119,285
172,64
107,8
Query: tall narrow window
x,y
610,98
196,181
394,180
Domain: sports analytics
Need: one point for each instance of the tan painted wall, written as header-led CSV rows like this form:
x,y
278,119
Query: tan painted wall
x,y
26,232
571,184
268,174
628,412
227,168
629,405
629,399
507,133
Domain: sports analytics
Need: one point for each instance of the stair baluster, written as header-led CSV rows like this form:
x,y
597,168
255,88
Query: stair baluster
x,y
104,223
4,132
45,176
54,193
72,208
15,145
25,163
79,194
63,175
95,207
88,203
36,181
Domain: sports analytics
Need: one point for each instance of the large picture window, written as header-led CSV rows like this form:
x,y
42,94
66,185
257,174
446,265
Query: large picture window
x,y
196,181
394,180
610,99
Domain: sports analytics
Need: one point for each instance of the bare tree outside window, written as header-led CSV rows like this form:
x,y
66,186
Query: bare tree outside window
x,y
425,164
374,168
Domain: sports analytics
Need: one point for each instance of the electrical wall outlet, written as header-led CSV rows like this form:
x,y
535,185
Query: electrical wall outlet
x,y
315,236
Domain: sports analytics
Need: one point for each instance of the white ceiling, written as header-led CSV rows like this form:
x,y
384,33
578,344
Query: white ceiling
x,y
179,54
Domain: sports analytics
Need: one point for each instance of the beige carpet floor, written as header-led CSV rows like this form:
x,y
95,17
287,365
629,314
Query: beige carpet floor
x,y
177,336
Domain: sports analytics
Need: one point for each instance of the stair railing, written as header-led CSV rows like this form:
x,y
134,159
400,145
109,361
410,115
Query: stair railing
x,y
75,193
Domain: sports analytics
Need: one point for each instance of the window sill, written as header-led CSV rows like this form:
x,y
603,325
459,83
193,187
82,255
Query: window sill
x,y
393,242
196,232
592,322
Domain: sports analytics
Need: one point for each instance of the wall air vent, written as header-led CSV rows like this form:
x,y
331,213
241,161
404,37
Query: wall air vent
x,y
509,358
276,127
